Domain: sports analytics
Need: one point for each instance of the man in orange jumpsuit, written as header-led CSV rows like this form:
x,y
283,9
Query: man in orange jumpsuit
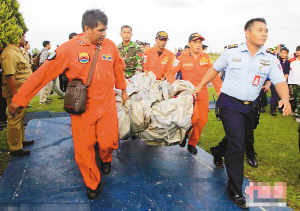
x,y
99,122
193,66
158,59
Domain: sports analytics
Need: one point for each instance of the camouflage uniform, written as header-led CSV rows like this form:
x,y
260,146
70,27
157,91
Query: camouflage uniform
x,y
295,98
133,57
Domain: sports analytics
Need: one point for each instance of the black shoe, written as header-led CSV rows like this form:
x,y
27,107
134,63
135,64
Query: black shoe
x,y
28,106
252,161
48,99
262,110
20,152
105,167
134,137
217,161
28,143
93,194
237,199
183,143
192,149
273,113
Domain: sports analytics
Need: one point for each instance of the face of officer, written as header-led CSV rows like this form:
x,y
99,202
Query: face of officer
x,y
27,46
95,35
195,45
126,34
298,54
161,44
257,34
22,42
147,47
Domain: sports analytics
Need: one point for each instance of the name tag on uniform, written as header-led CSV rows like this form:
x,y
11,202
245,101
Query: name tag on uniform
x,y
256,80
236,60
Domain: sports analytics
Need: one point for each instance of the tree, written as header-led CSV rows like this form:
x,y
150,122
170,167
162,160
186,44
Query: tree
x,y
12,25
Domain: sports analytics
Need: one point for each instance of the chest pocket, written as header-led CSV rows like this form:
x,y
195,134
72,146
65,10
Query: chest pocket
x,y
23,64
81,69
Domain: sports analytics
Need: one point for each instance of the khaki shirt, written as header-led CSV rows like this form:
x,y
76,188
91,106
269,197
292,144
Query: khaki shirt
x,y
13,63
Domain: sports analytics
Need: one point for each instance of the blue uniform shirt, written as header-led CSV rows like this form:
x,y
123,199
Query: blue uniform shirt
x,y
241,70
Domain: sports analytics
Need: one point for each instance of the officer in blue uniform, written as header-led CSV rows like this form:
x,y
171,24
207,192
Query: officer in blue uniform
x,y
247,67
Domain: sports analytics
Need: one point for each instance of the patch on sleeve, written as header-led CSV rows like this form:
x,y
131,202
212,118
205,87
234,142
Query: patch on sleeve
x,y
232,46
52,56
271,51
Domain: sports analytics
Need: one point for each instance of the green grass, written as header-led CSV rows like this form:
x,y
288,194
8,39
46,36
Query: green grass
x,y
276,144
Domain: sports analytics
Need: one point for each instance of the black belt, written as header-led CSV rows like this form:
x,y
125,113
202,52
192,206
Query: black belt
x,y
246,102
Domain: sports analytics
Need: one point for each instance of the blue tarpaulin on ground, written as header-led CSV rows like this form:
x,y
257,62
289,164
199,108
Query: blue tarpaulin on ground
x,y
142,178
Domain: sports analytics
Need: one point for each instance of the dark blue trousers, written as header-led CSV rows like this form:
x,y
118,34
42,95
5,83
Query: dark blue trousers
x,y
274,99
238,122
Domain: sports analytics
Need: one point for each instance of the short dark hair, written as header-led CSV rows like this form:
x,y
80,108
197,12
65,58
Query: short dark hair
x,y
91,18
45,43
126,26
73,34
284,49
185,47
147,44
250,22
26,42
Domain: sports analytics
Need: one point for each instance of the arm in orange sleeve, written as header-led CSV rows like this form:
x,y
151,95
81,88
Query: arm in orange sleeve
x,y
170,63
45,73
217,82
146,59
119,66
171,72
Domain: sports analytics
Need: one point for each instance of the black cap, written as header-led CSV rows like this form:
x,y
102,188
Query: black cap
x,y
196,36
161,35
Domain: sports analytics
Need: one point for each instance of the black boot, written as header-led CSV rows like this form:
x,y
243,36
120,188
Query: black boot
x,y
192,149
93,194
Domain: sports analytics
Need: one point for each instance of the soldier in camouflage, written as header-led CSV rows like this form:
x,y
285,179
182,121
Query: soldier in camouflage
x,y
131,53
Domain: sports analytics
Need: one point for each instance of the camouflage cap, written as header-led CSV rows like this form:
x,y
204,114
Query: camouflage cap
x,y
196,36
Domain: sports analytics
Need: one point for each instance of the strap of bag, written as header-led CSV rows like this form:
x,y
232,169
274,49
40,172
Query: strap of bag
x,y
98,47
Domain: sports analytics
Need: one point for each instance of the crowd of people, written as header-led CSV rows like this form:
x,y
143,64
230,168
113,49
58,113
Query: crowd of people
x,y
250,71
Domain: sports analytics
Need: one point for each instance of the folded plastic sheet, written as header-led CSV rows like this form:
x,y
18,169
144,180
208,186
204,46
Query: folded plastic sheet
x,y
159,113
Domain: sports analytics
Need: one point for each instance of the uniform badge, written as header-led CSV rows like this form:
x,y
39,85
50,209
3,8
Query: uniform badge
x,y
84,58
106,57
52,56
175,63
165,61
236,60
81,42
203,61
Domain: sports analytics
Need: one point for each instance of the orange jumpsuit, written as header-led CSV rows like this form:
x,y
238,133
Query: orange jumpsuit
x,y
158,64
193,70
99,123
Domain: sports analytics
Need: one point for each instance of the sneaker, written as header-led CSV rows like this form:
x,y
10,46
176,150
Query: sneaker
x,y
273,113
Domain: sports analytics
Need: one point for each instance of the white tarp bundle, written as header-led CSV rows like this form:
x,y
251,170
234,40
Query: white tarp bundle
x,y
155,115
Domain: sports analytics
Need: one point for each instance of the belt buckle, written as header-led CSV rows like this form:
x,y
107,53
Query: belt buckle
x,y
246,102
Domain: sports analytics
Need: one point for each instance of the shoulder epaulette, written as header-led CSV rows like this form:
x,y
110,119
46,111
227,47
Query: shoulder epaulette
x,y
232,46
270,51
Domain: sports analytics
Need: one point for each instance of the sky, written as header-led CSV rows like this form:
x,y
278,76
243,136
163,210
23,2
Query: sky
x,y
219,22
